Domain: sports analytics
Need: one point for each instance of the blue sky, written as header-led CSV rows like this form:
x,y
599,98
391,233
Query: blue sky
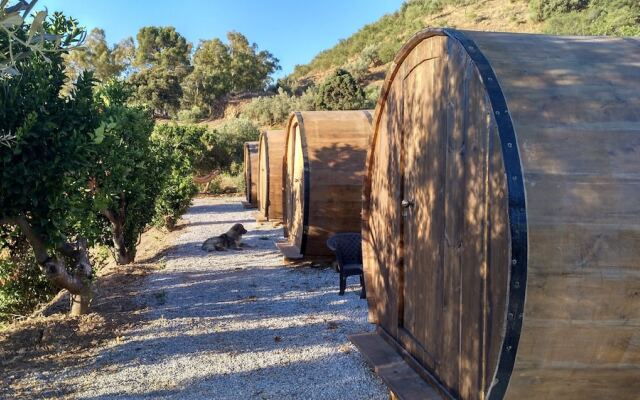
x,y
293,30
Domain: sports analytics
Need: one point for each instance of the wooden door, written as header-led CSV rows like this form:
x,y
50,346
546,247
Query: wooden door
x,y
297,191
422,214
288,182
263,184
444,305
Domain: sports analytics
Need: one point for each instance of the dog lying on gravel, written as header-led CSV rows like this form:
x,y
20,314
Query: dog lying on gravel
x,y
230,240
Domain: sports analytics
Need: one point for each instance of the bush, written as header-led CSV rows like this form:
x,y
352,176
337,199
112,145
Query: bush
x,y
193,114
371,92
544,9
226,183
225,144
340,91
22,284
127,177
180,149
275,110
601,17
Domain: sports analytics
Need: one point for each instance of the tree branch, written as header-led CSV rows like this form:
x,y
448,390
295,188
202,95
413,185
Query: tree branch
x,y
53,267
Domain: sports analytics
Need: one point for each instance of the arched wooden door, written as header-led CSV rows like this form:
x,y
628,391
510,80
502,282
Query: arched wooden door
x,y
263,183
297,190
452,174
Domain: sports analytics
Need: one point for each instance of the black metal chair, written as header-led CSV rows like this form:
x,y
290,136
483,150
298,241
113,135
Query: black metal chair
x,y
348,250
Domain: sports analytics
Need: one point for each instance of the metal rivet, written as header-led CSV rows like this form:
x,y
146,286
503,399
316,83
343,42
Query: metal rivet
x,y
508,348
515,178
514,261
516,284
509,145
497,112
510,315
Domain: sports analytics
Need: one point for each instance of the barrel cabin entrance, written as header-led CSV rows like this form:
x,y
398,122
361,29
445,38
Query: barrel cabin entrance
x,y
501,165
323,175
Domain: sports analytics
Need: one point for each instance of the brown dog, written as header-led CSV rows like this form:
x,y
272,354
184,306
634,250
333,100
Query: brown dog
x,y
229,240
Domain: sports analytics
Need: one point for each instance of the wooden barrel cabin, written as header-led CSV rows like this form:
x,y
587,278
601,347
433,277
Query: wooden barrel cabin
x,y
270,158
501,214
324,169
251,174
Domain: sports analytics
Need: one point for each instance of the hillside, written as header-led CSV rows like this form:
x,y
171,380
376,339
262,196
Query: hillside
x,y
384,37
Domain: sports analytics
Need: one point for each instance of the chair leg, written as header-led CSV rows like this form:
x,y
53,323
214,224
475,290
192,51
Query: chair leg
x,y
363,292
343,284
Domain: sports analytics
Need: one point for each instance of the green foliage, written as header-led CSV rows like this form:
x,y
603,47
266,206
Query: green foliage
x,y
40,36
193,114
250,68
95,55
22,284
387,36
340,91
225,144
43,173
220,69
543,9
227,183
211,79
372,92
158,88
162,46
275,110
162,57
369,57
590,17
182,148
126,176
44,168
175,198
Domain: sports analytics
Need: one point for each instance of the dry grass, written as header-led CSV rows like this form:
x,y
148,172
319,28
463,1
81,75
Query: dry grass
x,y
51,340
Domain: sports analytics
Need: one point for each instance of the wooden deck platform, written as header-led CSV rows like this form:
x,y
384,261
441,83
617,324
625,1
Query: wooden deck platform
x,y
292,255
401,379
289,251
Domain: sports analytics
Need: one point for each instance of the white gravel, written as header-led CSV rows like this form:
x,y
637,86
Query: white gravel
x,y
235,325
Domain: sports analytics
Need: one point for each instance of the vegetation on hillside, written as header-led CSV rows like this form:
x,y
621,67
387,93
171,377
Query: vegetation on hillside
x,y
385,36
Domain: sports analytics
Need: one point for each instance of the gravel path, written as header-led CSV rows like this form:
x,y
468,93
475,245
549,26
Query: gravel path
x,y
235,325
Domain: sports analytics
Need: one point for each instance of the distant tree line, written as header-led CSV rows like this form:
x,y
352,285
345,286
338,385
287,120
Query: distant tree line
x,y
167,77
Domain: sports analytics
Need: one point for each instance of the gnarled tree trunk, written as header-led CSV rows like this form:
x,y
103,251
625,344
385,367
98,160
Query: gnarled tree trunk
x,y
78,282
117,219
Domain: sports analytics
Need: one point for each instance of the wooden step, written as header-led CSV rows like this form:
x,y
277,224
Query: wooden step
x,y
402,380
290,252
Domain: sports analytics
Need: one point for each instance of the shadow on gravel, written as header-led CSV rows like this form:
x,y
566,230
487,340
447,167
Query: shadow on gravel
x,y
273,382
221,208
258,240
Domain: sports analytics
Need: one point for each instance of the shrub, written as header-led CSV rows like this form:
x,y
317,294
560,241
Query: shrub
x,y
193,114
180,149
544,9
126,177
275,110
371,92
601,17
340,91
225,144
226,183
22,284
